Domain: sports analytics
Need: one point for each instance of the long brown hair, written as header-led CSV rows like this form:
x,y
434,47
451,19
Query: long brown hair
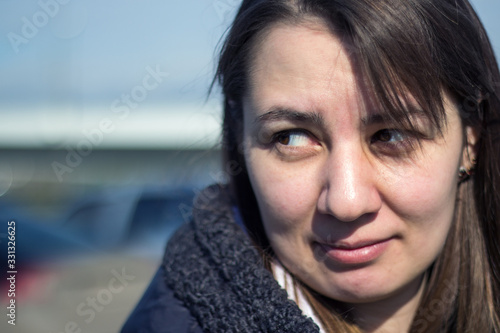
x,y
420,46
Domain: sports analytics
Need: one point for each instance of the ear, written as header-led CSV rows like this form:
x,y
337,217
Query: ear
x,y
470,152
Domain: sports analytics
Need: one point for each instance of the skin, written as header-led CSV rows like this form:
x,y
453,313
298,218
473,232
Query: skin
x,y
329,170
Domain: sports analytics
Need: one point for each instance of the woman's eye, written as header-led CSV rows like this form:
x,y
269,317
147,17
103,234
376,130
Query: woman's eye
x,y
295,144
293,138
390,136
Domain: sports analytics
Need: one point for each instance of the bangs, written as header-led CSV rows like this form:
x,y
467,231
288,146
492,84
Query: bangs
x,y
402,84
395,54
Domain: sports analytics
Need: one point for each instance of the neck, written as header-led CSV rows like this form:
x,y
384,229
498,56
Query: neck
x,y
390,315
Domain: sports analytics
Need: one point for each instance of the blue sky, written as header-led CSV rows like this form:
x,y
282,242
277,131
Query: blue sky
x,y
94,50
87,54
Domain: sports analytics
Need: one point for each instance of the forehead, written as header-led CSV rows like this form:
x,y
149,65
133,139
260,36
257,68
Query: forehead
x,y
307,65
308,44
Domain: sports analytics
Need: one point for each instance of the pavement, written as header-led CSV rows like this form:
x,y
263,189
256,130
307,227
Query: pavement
x,y
79,294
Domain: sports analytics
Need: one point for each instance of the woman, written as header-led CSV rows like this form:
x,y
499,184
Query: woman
x,y
361,140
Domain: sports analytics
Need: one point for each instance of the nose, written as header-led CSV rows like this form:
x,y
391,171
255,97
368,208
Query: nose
x,y
350,188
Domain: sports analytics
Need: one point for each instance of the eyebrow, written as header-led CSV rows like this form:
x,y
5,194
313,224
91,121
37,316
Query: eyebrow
x,y
378,118
279,113
375,119
314,118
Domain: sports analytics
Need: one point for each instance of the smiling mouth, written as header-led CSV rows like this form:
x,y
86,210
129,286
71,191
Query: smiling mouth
x,y
357,253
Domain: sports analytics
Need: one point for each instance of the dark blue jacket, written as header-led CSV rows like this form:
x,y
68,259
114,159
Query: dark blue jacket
x,y
159,311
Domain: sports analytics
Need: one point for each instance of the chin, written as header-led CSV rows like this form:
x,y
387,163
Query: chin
x,y
366,286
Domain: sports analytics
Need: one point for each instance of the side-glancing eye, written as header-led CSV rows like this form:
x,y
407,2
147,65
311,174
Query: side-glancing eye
x,y
293,138
396,142
390,136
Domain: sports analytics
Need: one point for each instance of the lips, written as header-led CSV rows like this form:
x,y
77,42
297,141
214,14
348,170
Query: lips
x,y
355,253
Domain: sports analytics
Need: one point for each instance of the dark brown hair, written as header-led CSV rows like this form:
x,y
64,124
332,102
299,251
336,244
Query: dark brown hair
x,y
419,46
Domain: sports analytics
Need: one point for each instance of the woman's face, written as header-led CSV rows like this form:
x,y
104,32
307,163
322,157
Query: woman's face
x,y
350,202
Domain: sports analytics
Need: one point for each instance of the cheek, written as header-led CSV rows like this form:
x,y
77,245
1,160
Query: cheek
x,y
426,192
286,196
425,200
287,204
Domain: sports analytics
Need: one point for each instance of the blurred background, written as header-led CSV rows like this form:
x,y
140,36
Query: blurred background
x,y
106,134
